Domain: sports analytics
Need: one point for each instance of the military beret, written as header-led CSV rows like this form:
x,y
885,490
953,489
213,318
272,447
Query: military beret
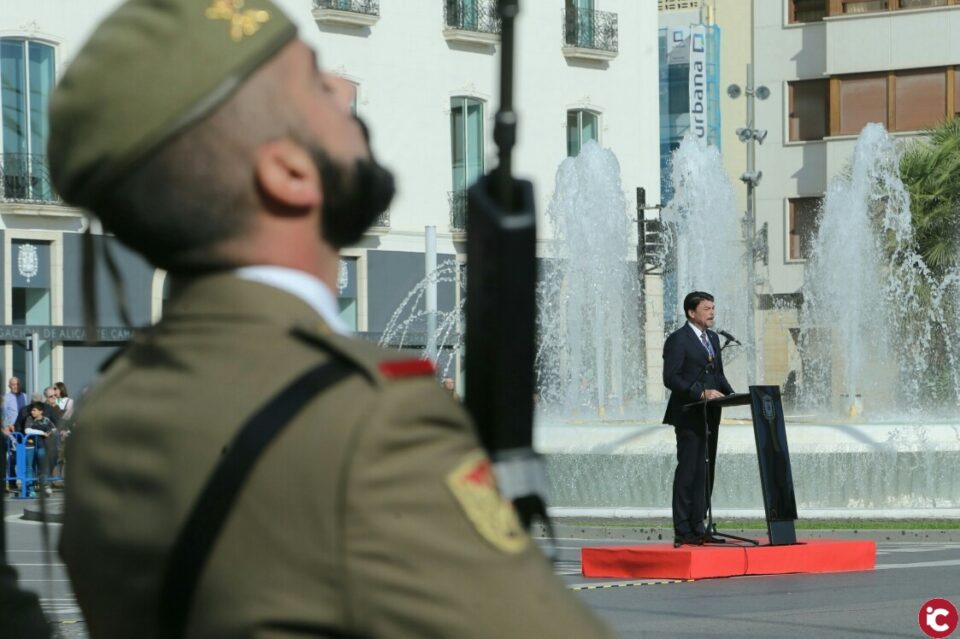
x,y
151,70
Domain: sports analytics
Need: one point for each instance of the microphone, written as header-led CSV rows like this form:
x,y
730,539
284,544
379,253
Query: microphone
x,y
729,337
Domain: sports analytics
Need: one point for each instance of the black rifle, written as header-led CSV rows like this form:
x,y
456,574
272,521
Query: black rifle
x,y
501,308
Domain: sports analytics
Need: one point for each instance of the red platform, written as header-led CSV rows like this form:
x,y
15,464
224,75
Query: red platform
x,y
663,561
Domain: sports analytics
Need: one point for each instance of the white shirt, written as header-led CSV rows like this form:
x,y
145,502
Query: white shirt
x,y
696,329
305,286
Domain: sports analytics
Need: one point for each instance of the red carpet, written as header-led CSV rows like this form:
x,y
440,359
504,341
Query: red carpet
x,y
663,561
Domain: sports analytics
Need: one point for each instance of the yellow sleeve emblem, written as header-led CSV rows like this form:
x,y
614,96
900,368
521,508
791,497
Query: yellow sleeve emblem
x,y
243,22
474,486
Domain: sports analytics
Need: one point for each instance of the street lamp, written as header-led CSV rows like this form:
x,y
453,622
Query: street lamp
x,y
751,136
648,254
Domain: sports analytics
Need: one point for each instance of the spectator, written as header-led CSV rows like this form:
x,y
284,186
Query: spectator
x,y
44,434
13,401
24,413
10,447
451,388
51,407
64,401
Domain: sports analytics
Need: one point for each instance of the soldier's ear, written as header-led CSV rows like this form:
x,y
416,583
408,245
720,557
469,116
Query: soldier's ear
x,y
286,174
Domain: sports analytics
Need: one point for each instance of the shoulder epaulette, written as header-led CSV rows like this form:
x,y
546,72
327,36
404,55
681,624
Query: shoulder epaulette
x,y
399,368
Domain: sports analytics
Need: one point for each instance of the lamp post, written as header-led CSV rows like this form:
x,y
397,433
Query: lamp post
x,y
643,227
750,135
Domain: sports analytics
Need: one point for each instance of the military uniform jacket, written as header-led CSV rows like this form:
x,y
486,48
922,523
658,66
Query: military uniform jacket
x,y
373,514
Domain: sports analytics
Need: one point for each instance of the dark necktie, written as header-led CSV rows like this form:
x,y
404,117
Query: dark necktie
x,y
706,344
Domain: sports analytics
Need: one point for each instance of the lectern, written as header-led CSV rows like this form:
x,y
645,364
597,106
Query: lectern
x,y
773,456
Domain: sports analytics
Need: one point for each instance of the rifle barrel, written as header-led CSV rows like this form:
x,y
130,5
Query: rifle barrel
x,y
505,127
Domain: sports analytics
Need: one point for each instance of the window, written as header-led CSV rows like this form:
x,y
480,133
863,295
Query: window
x,y
581,127
921,99
463,14
863,6
466,135
855,7
863,99
579,23
808,109
956,91
807,10
32,304
26,81
355,98
920,4
678,91
347,292
803,226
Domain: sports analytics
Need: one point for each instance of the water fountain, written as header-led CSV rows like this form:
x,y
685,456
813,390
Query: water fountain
x,y
875,323
408,325
615,464
864,259
588,355
704,246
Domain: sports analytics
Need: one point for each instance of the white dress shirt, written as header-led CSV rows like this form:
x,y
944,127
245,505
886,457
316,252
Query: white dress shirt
x,y
305,286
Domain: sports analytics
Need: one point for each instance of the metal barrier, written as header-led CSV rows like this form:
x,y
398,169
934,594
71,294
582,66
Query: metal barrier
x,y
25,458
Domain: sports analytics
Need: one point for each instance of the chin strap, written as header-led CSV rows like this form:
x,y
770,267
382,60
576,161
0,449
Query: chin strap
x,y
89,282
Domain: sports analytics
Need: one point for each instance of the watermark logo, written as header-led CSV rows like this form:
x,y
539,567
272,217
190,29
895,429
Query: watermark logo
x,y
938,618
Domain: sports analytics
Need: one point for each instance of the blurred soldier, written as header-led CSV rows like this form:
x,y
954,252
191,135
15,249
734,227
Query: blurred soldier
x,y
203,135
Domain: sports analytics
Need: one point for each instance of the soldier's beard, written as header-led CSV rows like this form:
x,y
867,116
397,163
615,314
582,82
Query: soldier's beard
x,y
352,199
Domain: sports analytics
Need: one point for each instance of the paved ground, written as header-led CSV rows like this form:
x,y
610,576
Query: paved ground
x,y
881,603
912,568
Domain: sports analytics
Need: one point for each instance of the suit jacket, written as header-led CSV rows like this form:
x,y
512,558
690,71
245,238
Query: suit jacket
x,y
687,371
372,514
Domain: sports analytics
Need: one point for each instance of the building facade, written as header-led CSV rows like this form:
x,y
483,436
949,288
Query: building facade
x,y
831,67
426,78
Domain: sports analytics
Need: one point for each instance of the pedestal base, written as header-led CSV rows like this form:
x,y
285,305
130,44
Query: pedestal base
x,y
663,561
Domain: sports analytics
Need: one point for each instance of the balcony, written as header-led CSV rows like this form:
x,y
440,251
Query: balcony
x,y
381,225
25,177
471,22
590,35
352,13
458,211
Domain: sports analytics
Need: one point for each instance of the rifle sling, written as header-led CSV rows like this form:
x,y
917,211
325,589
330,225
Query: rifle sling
x,y
193,545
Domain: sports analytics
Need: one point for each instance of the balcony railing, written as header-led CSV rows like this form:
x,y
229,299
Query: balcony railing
x,y
587,31
367,7
25,177
478,16
458,211
362,13
382,222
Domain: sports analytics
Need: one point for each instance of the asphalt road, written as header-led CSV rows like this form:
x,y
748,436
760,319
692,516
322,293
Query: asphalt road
x,y
881,603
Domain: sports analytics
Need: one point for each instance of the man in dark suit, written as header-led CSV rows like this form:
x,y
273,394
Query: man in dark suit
x,y
693,371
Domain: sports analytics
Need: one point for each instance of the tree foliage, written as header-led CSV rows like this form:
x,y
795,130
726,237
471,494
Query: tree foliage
x,y
930,169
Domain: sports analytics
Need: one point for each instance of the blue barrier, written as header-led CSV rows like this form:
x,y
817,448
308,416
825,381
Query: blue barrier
x,y
26,457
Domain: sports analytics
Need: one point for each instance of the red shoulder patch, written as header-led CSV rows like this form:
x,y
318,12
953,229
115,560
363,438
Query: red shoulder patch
x,y
407,368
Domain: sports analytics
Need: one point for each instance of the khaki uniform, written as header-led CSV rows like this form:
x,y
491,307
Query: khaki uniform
x,y
364,517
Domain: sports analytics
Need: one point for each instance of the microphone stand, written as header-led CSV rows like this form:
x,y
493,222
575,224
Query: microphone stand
x,y
711,527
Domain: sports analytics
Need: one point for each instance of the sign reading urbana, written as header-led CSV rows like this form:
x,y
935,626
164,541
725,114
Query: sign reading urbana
x,y
697,85
65,333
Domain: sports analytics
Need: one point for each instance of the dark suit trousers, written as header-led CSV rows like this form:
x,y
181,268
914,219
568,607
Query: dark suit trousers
x,y
690,479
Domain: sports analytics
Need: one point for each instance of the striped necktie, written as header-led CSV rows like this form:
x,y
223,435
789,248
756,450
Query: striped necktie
x,y
706,344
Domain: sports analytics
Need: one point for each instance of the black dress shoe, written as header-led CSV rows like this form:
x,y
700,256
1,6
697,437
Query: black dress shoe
x,y
687,540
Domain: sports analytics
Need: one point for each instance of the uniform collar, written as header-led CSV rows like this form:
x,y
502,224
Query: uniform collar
x,y
302,285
